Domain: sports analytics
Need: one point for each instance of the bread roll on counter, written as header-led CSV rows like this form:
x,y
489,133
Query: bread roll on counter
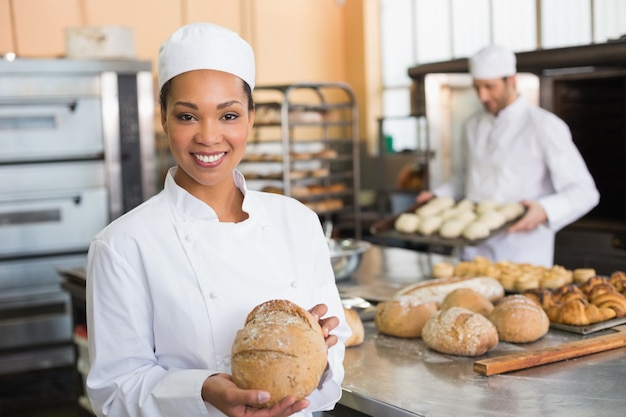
x,y
519,319
468,298
459,331
281,349
403,317
356,325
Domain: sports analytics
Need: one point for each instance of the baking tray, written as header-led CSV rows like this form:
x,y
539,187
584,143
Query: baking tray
x,y
591,328
385,229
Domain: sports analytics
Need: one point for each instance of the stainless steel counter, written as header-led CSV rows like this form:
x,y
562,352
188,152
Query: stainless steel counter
x,y
390,377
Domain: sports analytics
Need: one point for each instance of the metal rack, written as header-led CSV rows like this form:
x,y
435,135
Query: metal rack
x,y
305,144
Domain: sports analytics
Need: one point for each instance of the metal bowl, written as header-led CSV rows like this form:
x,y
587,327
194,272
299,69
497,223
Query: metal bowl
x,y
346,256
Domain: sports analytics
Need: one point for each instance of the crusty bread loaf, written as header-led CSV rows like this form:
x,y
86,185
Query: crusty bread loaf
x,y
459,331
519,319
281,350
437,289
403,316
356,325
468,298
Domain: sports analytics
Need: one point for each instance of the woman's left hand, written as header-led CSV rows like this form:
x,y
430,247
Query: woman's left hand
x,y
327,324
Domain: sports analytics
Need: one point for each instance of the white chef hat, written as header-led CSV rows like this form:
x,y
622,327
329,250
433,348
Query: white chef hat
x,y
492,62
206,46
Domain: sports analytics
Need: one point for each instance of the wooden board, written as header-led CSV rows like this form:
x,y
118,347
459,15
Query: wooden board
x,y
531,358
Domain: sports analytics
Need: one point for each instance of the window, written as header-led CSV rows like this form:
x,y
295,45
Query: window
x,y
421,31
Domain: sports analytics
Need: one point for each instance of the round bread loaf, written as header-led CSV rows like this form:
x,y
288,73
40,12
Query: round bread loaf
x,y
459,331
356,325
281,350
519,319
468,298
403,316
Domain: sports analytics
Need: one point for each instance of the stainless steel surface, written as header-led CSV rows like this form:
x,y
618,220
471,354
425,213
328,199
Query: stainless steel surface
x,y
387,376
346,255
77,152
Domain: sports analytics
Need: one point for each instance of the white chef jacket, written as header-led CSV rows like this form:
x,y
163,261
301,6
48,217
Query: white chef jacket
x,y
523,153
169,285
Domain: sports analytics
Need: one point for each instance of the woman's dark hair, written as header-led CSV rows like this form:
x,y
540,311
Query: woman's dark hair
x,y
165,91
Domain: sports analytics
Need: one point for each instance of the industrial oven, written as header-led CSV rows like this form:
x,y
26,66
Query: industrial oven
x,y
76,151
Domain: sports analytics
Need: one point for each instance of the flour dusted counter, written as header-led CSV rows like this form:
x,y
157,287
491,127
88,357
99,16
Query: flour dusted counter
x,y
392,377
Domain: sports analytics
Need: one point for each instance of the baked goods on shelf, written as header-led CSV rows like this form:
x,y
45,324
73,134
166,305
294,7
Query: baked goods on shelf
x,y
404,317
459,331
268,353
519,319
321,206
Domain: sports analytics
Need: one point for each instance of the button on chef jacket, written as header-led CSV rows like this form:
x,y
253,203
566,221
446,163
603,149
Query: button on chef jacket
x,y
523,153
168,286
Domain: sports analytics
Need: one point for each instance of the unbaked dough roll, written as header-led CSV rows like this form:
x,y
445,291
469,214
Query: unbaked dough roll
x,y
465,205
452,229
429,225
511,211
476,230
486,205
466,217
493,219
407,223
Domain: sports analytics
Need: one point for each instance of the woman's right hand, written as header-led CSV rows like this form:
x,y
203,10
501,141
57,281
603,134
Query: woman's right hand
x,y
220,391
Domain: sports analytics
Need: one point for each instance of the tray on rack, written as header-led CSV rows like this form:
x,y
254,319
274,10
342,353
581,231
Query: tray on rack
x,y
590,328
385,229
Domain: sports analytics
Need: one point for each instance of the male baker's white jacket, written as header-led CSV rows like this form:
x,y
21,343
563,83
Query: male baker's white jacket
x,y
169,286
523,153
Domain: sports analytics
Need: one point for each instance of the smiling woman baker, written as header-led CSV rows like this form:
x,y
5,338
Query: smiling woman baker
x,y
171,282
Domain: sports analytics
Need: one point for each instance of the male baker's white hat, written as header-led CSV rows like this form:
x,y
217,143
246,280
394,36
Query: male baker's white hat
x,y
206,46
492,62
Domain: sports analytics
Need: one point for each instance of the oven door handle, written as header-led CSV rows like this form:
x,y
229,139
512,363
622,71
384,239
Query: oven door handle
x,y
33,215
70,103
41,197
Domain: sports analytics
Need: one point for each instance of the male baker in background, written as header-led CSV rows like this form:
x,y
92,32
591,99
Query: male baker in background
x,y
514,151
